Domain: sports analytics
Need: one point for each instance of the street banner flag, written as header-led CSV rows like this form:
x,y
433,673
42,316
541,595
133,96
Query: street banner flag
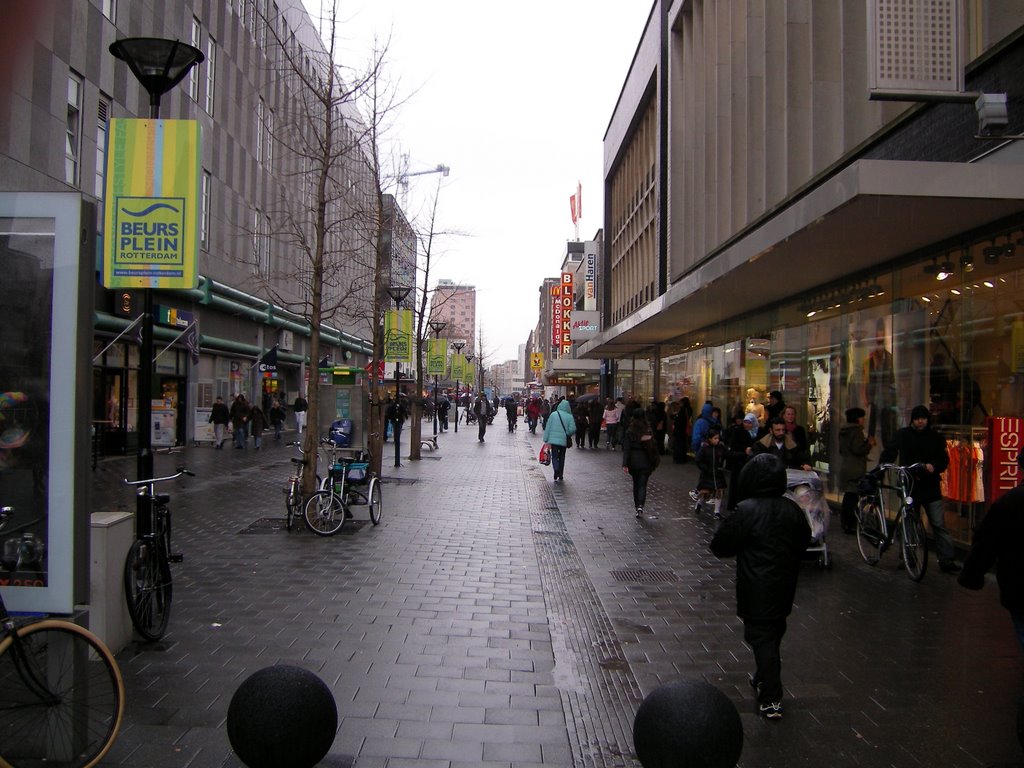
x,y
151,233
459,367
268,362
572,208
436,356
398,336
470,373
192,342
579,201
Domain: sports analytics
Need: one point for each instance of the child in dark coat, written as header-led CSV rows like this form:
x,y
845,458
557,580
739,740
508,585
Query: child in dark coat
x,y
711,463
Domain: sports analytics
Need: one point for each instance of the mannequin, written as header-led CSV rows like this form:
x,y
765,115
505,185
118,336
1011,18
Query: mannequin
x,y
754,407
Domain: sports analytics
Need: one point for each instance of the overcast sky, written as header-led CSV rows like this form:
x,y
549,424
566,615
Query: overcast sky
x,y
515,98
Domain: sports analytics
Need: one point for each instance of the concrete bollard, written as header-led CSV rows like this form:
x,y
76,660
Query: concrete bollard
x,y
282,717
687,724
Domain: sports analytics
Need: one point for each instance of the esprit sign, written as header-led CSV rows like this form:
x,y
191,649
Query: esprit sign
x,y
1005,439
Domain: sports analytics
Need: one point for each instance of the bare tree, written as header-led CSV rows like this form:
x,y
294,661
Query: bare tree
x,y
326,224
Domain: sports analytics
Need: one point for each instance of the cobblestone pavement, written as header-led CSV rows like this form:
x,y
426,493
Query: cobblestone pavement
x,y
494,618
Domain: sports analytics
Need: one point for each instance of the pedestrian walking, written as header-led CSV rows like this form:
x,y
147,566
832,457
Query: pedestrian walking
x,y
443,406
595,414
767,535
277,417
918,443
681,432
300,406
854,447
558,434
258,423
611,424
738,439
483,410
219,417
701,425
533,414
512,414
640,457
999,541
240,420
711,463
581,414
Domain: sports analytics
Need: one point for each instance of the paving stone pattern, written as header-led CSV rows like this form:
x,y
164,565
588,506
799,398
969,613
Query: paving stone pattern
x,y
497,619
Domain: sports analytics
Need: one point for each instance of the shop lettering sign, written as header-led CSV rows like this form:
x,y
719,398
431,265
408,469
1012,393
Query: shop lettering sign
x,y
1005,439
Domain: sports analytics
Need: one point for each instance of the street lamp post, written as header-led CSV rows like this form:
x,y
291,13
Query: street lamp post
x,y
159,65
398,294
469,359
436,326
457,346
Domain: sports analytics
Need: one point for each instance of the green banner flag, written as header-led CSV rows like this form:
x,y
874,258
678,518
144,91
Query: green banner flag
x,y
470,374
398,336
436,356
458,367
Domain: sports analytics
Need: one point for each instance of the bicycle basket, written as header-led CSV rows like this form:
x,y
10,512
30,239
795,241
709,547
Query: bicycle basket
x,y
358,472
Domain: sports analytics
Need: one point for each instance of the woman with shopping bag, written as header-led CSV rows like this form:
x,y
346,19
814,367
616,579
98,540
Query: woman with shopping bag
x,y
558,434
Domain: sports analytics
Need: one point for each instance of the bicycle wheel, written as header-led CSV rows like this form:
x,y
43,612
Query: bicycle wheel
x,y
63,697
870,530
293,502
914,544
147,588
324,513
375,500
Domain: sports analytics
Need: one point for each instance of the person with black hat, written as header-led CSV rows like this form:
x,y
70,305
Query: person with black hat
x,y
854,447
914,444
776,405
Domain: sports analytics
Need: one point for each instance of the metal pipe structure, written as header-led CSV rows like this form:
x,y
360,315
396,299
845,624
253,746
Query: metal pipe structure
x,y
457,346
436,326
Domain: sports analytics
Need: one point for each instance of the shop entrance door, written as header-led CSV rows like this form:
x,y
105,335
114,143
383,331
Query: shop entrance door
x,y
169,419
109,411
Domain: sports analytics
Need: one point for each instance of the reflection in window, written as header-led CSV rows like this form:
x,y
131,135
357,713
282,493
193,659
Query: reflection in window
x,y
26,251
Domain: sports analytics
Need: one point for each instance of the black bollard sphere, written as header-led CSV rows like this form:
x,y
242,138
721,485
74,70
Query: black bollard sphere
x,y
282,717
687,724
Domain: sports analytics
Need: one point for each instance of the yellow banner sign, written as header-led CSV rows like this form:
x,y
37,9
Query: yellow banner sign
x,y
437,356
398,336
537,361
152,204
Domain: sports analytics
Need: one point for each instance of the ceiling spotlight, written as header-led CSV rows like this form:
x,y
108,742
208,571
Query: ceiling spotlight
x,y
1010,249
992,253
967,261
945,270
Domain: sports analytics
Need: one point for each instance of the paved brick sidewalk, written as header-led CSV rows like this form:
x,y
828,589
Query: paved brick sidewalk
x,y
494,619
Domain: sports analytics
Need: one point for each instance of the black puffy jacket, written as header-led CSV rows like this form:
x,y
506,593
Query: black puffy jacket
x,y
768,535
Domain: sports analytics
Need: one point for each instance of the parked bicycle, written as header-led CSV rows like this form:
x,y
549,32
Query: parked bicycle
x,y
293,492
876,532
147,570
61,693
349,482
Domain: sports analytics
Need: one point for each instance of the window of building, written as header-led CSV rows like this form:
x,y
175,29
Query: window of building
x,y
204,213
260,109
109,9
102,118
261,244
73,135
269,128
211,74
193,76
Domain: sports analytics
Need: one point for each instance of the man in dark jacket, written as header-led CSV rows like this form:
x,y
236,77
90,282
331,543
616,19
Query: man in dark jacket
x,y
768,534
919,444
999,541
780,443
219,417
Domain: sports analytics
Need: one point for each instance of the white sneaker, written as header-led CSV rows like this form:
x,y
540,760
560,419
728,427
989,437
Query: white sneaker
x,y
694,495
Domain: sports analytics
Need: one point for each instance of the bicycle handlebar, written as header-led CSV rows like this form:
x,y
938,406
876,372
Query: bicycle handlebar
x,y
153,480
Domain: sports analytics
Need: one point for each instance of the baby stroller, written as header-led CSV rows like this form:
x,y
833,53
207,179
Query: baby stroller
x,y
806,489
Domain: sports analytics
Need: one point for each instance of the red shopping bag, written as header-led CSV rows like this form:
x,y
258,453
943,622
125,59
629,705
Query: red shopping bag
x,y
545,454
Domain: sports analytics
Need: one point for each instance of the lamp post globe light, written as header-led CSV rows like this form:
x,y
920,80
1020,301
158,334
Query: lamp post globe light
x,y
398,294
159,65
457,346
436,326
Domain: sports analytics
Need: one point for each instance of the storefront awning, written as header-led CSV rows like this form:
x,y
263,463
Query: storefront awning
x,y
864,216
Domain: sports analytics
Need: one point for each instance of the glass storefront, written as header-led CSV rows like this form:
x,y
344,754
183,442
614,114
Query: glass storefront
x,y
946,332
